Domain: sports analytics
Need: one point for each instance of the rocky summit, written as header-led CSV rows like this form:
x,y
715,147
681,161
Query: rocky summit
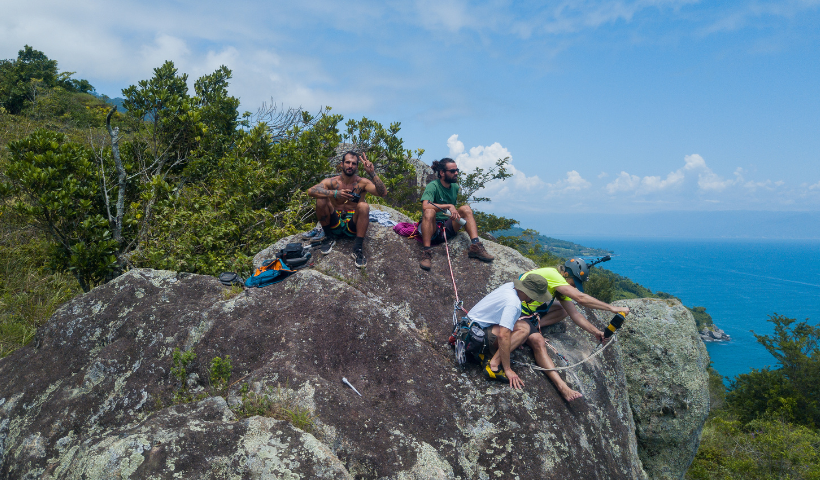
x,y
98,394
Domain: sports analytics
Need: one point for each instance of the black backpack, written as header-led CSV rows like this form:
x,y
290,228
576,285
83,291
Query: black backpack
x,y
295,256
470,342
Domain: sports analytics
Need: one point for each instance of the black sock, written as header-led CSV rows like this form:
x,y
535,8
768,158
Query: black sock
x,y
357,244
474,240
328,231
427,248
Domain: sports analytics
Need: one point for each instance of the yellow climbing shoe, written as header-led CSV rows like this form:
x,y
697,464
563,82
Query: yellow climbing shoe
x,y
495,375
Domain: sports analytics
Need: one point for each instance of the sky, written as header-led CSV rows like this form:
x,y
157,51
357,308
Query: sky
x,y
602,107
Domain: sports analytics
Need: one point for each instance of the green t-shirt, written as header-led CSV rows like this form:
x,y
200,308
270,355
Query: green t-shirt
x,y
435,192
554,280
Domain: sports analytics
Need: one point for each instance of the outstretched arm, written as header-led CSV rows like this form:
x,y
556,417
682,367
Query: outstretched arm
x,y
588,300
579,319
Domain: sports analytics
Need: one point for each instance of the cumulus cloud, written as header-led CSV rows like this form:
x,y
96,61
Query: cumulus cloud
x,y
816,186
485,158
574,182
694,167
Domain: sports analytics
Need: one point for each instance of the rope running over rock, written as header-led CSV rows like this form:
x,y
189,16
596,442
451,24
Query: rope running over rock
x,y
532,366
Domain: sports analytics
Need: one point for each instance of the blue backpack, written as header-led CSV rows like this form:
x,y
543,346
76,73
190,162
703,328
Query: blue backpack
x,y
271,271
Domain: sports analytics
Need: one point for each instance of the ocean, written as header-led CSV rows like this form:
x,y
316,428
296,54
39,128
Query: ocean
x,y
740,282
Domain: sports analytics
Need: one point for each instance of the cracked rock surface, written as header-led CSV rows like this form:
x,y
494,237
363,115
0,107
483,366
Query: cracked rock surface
x,y
92,396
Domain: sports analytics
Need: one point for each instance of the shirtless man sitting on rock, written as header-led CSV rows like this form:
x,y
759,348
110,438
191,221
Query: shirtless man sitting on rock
x,y
340,204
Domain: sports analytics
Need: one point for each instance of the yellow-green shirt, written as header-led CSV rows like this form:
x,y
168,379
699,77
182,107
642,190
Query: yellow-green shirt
x,y
554,280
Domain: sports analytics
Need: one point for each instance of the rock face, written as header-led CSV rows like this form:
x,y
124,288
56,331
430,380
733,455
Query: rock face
x,y
665,363
90,397
714,335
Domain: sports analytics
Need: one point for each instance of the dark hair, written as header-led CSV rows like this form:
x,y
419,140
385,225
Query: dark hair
x,y
349,152
440,165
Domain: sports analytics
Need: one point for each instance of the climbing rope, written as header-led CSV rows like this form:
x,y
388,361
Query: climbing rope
x,y
459,305
452,276
597,352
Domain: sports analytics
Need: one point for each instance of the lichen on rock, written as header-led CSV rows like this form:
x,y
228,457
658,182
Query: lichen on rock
x,y
95,398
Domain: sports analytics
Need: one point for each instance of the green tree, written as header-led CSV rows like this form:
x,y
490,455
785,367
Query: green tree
x,y
254,195
386,150
761,449
789,392
31,74
473,182
487,222
56,183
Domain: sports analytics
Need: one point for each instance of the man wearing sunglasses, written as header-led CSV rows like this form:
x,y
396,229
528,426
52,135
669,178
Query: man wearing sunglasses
x,y
440,196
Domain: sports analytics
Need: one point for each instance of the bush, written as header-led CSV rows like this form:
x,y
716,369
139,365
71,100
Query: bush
x,y
767,448
789,392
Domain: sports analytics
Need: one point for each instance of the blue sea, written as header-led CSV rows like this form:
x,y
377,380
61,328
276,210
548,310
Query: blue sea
x,y
740,282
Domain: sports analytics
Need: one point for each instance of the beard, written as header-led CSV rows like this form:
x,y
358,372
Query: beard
x,y
453,180
349,172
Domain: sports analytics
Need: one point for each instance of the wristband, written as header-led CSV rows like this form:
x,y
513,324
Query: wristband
x,y
335,192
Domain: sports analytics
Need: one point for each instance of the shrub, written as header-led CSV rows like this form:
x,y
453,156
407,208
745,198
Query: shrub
x,y
766,448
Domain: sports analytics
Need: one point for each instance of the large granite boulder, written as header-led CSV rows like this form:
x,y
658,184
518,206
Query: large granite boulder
x,y
666,372
93,395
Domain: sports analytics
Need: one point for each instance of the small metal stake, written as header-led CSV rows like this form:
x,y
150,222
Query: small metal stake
x,y
350,385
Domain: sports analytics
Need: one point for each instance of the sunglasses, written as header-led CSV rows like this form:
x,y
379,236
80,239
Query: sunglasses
x,y
452,170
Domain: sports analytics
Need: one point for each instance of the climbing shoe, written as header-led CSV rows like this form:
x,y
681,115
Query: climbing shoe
x,y
361,261
327,245
426,260
477,250
493,375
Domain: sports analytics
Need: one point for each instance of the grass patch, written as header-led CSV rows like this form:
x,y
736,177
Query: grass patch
x,y
229,293
29,292
279,403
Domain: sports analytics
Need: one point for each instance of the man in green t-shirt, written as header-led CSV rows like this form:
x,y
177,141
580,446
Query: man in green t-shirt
x,y
435,224
566,283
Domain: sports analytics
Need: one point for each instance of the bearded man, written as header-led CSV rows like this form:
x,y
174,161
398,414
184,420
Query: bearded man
x,y
341,205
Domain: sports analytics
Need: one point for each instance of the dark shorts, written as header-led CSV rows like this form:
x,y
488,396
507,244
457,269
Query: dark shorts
x,y
445,226
490,338
344,225
534,327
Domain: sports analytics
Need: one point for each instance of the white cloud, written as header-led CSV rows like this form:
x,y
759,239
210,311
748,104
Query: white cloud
x,y
603,175
694,165
624,183
485,158
573,183
816,186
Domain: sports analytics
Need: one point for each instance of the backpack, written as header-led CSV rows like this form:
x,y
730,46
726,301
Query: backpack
x,y
271,271
406,229
295,256
470,342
